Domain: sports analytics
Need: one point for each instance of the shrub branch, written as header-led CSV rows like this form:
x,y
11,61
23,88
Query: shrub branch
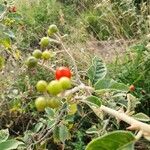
x,y
143,128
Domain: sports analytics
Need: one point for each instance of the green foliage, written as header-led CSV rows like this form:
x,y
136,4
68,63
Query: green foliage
x,y
117,140
63,133
5,143
81,111
134,69
40,15
142,117
93,101
110,84
115,19
97,70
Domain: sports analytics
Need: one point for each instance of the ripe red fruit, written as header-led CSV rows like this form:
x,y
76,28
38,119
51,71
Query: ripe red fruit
x,y
12,9
62,72
132,88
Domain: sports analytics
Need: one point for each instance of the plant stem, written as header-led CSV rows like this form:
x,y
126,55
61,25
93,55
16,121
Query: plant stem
x,y
135,124
47,67
71,57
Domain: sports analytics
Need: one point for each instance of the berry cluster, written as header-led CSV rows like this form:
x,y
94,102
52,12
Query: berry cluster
x,y
37,54
62,80
52,89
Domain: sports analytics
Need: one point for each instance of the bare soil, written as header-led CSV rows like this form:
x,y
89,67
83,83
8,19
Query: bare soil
x,y
109,50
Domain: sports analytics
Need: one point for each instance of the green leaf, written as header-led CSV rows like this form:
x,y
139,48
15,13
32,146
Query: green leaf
x,y
4,134
97,70
110,84
38,126
10,144
80,110
63,133
10,34
93,101
49,112
50,123
116,140
1,8
128,147
56,134
92,130
141,117
15,16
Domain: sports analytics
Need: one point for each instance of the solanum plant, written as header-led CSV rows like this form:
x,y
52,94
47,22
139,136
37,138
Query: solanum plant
x,y
102,94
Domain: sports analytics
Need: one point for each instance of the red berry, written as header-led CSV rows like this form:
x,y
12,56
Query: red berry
x,y
62,72
132,88
14,9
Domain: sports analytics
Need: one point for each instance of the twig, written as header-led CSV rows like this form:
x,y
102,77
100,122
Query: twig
x,y
47,67
50,130
71,57
76,89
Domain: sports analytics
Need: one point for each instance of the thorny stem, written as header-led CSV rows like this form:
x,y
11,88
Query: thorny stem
x,y
134,124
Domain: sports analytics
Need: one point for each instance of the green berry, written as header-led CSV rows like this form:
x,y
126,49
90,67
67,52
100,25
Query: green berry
x,y
65,82
54,87
41,86
46,55
31,62
37,54
44,41
40,103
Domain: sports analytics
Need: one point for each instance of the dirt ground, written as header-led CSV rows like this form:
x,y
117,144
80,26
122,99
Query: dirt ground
x,y
108,50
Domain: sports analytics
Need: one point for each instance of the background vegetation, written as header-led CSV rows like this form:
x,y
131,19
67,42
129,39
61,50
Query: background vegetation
x,y
116,30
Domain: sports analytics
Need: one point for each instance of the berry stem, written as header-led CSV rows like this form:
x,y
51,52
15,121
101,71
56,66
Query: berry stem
x,y
71,57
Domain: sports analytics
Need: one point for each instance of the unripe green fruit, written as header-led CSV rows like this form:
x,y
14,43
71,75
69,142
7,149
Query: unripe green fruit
x,y
44,42
37,54
31,62
46,55
54,87
40,104
52,29
65,82
53,102
41,86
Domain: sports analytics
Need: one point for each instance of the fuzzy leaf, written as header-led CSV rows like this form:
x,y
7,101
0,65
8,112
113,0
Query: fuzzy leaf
x,y
63,133
97,70
110,84
93,101
117,140
141,117
4,134
10,144
38,126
